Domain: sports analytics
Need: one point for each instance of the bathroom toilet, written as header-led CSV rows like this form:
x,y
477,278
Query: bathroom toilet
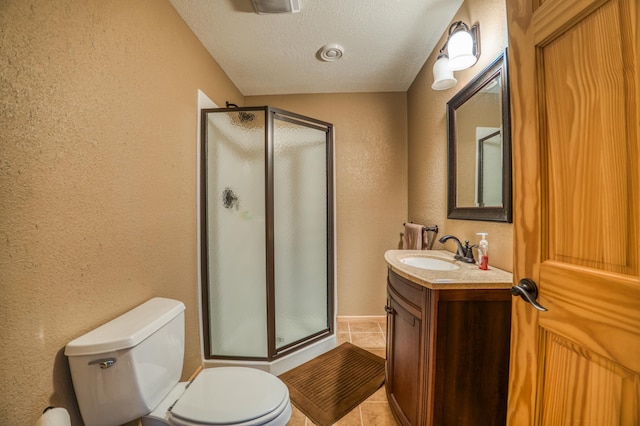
x,y
130,367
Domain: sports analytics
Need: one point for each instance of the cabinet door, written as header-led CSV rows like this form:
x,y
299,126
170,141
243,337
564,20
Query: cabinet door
x,y
403,362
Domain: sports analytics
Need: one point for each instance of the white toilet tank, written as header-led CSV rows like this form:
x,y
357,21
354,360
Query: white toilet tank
x,y
124,368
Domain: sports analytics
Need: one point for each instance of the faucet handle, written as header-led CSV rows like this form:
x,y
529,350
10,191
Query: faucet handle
x,y
468,252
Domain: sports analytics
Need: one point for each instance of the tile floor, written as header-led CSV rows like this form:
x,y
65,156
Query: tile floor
x,y
368,333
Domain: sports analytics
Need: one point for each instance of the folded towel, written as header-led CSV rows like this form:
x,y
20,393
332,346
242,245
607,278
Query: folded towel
x,y
427,239
412,236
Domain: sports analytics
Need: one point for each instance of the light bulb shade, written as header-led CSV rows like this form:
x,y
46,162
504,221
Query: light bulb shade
x,y
442,76
460,49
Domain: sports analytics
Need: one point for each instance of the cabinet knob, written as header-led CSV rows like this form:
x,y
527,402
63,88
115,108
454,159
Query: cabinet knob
x,y
388,310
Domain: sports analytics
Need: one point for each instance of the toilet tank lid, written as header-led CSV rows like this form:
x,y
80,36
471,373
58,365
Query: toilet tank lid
x,y
127,330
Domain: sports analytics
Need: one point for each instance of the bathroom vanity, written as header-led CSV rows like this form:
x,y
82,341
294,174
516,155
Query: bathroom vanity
x,y
448,334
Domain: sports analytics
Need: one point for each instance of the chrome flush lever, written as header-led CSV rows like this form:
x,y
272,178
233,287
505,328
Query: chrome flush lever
x,y
103,363
528,291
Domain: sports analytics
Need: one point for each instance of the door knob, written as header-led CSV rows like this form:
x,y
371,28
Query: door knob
x,y
528,291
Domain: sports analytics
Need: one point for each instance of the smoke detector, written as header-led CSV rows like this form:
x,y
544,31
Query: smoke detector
x,y
330,52
276,6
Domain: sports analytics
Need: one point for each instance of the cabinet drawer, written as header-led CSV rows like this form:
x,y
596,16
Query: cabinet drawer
x,y
410,292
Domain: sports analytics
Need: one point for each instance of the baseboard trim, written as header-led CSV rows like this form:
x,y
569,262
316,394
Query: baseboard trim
x,y
356,318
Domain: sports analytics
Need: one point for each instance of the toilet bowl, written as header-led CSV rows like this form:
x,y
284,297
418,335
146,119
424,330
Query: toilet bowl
x,y
129,368
232,396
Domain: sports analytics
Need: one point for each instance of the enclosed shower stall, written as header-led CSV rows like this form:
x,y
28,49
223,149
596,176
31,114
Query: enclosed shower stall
x,y
267,236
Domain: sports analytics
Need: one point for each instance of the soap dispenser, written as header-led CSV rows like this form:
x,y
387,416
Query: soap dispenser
x,y
483,252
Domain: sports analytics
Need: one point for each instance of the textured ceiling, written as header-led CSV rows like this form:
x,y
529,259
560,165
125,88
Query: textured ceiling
x,y
386,43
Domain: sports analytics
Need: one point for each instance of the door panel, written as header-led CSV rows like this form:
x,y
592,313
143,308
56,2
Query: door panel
x,y
599,311
574,65
590,163
580,387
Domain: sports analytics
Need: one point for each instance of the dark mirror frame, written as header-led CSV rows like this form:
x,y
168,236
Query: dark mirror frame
x,y
493,214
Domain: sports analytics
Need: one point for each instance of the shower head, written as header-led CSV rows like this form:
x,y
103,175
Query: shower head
x,y
244,116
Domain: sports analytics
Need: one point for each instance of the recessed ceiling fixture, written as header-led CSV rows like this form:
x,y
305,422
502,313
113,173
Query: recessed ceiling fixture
x,y
276,6
330,52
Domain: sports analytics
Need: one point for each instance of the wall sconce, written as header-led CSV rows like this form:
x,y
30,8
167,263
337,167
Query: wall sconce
x,y
462,51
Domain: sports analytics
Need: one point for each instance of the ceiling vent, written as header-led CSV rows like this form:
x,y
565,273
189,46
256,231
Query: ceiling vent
x,y
330,52
276,6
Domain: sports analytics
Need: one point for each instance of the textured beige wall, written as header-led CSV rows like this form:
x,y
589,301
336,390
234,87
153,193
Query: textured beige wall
x,y
427,129
98,117
371,186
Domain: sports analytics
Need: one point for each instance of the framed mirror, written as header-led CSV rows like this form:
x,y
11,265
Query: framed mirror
x,y
479,147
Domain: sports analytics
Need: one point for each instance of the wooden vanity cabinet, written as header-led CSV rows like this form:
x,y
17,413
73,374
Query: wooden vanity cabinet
x,y
447,354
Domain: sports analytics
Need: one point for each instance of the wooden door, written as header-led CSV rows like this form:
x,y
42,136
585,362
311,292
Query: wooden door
x,y
574,78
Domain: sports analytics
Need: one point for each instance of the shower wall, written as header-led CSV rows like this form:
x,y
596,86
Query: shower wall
x,y
268,231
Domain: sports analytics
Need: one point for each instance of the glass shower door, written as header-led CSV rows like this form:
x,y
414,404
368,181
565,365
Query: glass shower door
x,y
301,230
235,222
267,232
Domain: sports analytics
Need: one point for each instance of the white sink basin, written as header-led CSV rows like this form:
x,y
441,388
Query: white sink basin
x,y
429,263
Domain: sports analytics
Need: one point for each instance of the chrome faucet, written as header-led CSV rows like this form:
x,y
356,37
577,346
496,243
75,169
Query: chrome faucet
x,y
465,253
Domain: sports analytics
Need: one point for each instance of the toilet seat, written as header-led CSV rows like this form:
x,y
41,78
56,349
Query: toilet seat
x,y
237,396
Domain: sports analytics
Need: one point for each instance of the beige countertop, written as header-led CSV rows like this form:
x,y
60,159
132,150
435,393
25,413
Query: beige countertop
x,y
466,276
